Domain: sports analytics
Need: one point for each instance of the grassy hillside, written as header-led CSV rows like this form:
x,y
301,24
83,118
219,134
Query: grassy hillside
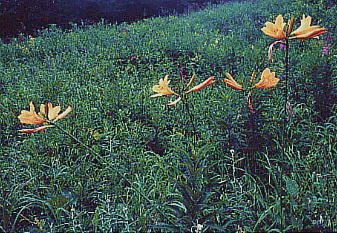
x,y
122,161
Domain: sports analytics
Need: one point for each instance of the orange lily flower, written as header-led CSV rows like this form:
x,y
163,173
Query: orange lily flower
x,y
163,88
202,85
275,30
305,31
47,114
232,83
268,80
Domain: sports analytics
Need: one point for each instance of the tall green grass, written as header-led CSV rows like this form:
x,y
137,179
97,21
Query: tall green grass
x,y
154,172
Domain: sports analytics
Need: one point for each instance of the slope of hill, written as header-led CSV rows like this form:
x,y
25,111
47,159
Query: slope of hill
x,y
219,160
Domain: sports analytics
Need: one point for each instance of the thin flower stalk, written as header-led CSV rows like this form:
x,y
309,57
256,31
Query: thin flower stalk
x,y
286,61
280,30
249,102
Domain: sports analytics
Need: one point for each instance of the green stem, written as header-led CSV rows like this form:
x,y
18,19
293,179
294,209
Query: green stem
x,y
190,115
77,140
286,82
285,134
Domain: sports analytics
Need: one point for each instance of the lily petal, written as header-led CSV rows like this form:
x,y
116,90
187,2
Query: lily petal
x,y
306,31
30,117
268,80
24,131
156,95
232,83
202,85
174,102
310,34
275,30
53,111
43,111
191,81
64,114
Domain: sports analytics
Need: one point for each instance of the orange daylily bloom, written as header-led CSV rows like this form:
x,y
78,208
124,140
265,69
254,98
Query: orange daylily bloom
x,y
232,83
47,114
305,31
268,80
275,30
163,88
202,85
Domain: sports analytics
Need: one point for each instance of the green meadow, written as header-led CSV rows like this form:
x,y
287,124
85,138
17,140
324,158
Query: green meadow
x,y
217,161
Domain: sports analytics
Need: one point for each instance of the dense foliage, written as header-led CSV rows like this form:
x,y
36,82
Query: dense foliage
x,y
122,161
29,16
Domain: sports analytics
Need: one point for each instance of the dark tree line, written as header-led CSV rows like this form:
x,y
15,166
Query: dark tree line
x,y
28,16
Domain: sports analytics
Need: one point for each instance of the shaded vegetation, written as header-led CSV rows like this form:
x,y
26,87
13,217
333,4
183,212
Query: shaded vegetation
x,y
29,16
